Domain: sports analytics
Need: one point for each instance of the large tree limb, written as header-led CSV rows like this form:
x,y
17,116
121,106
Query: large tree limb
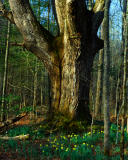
x,y
36,38
60,10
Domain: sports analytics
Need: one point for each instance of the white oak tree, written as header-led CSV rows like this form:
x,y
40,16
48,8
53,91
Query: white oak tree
x,y
67,57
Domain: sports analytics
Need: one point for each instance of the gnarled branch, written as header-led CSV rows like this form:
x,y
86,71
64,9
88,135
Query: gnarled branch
x,y
36,38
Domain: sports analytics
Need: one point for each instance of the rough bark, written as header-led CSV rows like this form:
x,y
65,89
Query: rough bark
x,y
68,57
76,64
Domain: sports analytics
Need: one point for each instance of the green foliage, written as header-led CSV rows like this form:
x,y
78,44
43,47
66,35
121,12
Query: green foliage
x,y
63,146
97,127
8,101
116,149
22,130
10,98
15,108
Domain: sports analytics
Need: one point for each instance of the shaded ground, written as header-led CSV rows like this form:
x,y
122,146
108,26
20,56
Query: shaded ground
x,y
57,146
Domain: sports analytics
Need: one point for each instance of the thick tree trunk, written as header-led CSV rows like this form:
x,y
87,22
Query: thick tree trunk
x,y
71,85
68,57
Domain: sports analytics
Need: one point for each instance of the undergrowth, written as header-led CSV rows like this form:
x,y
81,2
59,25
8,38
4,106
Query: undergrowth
x,y
84,146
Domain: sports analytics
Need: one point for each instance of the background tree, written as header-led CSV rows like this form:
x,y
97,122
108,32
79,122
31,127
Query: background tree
x,y
3,115
106,79
124,97
98,100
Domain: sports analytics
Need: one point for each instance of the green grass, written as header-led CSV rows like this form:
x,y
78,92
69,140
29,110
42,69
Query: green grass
x,y
64,146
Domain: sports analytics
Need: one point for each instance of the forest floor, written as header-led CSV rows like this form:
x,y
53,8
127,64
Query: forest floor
x,y
58,146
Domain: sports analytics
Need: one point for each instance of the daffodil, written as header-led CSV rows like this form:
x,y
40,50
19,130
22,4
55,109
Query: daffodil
x,y
53,146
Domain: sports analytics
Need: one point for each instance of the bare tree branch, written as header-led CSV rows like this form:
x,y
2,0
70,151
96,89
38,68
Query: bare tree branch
x,y
23,86
17,44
